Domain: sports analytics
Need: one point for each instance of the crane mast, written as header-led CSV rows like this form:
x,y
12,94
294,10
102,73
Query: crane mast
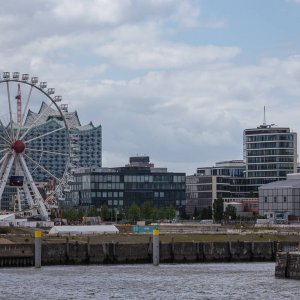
x,y
19,105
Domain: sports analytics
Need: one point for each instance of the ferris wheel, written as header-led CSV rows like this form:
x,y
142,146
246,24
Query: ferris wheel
x,y
34,145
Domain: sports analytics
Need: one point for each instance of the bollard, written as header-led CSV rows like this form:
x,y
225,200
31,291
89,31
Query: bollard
x,y
37,248
155,247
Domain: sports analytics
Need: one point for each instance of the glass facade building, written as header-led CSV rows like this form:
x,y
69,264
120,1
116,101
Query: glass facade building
x,y
88,142
270,153
120,187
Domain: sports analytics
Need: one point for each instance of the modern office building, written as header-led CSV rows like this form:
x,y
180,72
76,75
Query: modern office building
x,y
280,201
226,180
270,153
138,182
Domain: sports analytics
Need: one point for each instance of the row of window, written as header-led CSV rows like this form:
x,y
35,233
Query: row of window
x,y
275,137
108,186
274,199
107,194
271,167
270,159
105,178
115,202
267,131
268,174
270,152
270,145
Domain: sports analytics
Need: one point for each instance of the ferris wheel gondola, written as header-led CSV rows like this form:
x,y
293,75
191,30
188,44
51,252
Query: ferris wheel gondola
x,y
24,153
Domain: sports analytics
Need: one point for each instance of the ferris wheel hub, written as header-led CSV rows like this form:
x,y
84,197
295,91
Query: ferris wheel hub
x,y
18,146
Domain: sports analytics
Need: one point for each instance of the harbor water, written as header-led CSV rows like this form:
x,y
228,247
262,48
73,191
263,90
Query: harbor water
x,y
167,281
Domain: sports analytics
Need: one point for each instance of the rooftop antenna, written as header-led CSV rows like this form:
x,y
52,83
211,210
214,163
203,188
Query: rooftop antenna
x,y
264,116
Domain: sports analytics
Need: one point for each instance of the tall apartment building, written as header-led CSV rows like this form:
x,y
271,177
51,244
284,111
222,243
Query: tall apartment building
x,y
270,153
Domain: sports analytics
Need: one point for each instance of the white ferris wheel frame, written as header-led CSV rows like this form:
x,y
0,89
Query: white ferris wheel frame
x,y
37,205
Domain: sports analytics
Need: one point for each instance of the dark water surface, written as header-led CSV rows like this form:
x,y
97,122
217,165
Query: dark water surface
x,y
182,281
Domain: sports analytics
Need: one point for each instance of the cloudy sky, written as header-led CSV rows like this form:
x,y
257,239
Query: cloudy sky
x,y
178,80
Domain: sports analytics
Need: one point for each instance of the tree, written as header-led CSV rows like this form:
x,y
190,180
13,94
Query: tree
x,y
206,213
92,212
170,213
196,213
230,212
104,212
146,211
133,213
218,209
155,214
71,215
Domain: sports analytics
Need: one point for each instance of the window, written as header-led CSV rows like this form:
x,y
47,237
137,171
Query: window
x,y
266,199
284,198
275,199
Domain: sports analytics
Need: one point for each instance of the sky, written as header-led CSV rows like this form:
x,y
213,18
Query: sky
x,y
178,80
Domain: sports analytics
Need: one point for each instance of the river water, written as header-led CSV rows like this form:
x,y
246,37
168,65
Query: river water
x,y
168,281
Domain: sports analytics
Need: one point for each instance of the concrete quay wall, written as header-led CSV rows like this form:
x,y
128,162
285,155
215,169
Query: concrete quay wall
x,y
288,265
71,252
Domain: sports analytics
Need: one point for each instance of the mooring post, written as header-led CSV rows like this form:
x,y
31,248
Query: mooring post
x,y
155,247
37,249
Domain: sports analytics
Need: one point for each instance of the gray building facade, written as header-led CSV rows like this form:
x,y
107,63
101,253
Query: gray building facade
x,y
280,201
225,180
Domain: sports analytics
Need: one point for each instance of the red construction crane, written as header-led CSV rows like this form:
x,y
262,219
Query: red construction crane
x,y
19,105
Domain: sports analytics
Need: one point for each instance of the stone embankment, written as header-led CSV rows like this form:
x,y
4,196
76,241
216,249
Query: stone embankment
x,y
74,252
288,263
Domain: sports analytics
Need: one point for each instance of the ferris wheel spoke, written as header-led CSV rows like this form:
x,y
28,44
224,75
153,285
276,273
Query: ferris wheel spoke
x,y
41,136
24,111
36,120
41,167
45,151
4,139
6,149
5,171
5,131
10,111
3,158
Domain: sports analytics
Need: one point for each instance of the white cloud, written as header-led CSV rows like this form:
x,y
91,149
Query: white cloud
x,y
163,55
184,104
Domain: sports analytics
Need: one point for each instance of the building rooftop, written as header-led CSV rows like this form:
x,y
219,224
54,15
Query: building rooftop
x,y
293,181
72,118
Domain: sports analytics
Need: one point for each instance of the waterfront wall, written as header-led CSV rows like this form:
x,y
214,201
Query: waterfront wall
x,y
288,265
74,252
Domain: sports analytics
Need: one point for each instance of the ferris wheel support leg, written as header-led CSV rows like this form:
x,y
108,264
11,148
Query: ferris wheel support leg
x,y
4,174
38,200
19,200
